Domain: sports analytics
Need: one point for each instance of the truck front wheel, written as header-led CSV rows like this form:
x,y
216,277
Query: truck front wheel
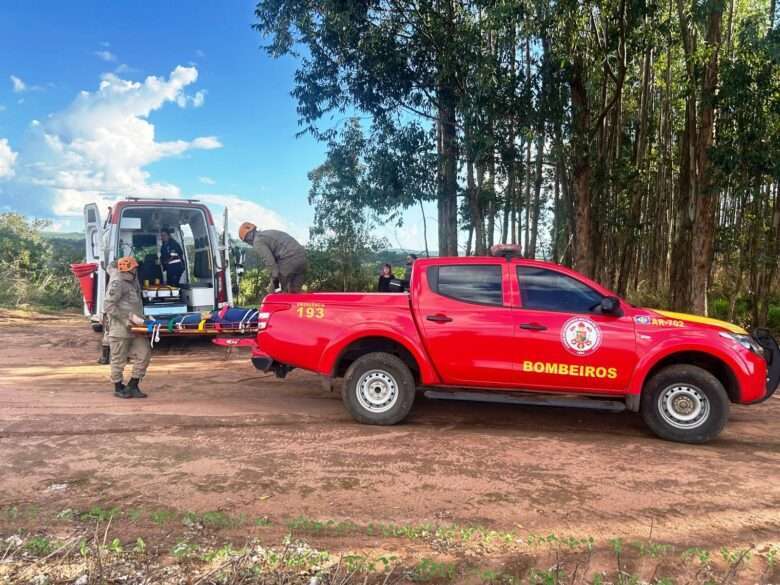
x,y
378,389
685,403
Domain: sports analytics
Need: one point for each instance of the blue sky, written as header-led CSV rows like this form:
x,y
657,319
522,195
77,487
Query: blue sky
x,y
216,118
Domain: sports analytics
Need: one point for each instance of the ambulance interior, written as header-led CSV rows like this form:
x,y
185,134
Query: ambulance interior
x,y
139,236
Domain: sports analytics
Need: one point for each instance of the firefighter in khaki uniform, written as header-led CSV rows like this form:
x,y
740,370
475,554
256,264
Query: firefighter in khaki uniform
x,y
281,253
124,306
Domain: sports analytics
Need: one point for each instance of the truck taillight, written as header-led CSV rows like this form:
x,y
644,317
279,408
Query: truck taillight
x,y
266,310
262,320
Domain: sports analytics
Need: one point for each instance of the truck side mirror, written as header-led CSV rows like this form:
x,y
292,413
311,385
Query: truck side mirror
x,y
611,306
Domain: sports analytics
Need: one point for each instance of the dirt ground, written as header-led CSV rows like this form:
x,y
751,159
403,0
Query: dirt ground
x,y
215,434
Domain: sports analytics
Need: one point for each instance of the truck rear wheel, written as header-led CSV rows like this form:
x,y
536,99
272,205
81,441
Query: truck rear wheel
x,y
685,403
378,389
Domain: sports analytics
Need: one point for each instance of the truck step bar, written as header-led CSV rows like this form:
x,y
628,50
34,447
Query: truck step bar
x,y
525,399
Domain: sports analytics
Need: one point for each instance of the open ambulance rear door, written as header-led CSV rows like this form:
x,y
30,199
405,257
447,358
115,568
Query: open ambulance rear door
x,y
93,231
224,250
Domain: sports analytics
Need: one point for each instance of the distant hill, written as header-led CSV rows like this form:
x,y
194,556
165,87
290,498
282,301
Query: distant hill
x,y
76,236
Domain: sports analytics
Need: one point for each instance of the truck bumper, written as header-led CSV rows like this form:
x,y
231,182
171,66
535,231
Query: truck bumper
x,y
772,356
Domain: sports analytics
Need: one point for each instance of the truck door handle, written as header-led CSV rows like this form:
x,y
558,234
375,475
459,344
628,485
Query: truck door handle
x,y
439,318
532,326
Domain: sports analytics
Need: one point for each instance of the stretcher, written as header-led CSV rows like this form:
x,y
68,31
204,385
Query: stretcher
x,y
239,323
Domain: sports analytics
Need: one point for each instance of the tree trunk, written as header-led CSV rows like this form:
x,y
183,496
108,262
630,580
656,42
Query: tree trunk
x,y
682,257
583,255
682,253
707,194
448,173
474,208
447,184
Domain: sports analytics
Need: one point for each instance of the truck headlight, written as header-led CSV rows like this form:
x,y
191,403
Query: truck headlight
x,y
745,341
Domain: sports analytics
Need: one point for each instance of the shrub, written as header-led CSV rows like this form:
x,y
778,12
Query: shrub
x,y
35,270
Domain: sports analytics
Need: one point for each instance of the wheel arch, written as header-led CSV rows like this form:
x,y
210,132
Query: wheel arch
x,y
702,359
363,345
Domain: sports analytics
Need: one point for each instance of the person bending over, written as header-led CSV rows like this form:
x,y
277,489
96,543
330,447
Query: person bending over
x,y
281,254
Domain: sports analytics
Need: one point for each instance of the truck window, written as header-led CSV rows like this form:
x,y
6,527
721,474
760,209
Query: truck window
x,y
469,283
547,290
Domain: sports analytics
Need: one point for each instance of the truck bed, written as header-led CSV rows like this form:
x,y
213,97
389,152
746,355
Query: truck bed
x,y
311,330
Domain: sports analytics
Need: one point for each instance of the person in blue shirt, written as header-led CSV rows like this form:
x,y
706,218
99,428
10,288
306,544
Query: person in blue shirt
x,y
171,257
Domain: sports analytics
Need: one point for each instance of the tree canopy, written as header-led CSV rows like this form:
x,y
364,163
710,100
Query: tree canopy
x,y
636,141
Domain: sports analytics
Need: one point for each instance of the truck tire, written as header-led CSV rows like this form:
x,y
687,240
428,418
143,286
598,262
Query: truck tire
x,y
378,389
685,403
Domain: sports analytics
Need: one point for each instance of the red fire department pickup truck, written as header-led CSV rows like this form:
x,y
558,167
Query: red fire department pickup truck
x,y
505,329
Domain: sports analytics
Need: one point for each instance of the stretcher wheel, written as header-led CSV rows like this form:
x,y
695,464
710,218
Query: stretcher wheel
x,y
97,327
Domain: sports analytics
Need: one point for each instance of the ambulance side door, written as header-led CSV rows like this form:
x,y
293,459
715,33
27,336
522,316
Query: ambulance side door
x,y
224,250
563,343
94,252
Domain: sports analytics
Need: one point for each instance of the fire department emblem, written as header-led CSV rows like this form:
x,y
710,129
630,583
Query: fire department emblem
x,y
580,336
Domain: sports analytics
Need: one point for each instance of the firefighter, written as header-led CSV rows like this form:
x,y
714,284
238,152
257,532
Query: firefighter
x,y
281,253
171,257
124,307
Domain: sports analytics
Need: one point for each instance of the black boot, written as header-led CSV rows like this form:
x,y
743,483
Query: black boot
x,y
121,391
105,355
133,389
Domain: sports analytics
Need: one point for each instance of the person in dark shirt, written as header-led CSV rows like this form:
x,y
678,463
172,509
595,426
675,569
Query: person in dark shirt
x,y
171,257
385,277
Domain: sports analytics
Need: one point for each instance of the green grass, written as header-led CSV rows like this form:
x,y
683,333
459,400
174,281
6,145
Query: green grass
x,y
430,570
99,514
557,560
40,546
162,517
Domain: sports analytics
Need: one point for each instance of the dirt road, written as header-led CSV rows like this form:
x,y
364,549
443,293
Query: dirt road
x,y
215,434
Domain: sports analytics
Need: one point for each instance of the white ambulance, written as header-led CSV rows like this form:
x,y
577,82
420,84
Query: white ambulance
x,y
132,228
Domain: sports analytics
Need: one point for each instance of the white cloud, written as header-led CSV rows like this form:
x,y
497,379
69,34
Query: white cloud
x,y
207,143
125,68
18,85
7,160
241,210
105,55
199,98
195,101
97,148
